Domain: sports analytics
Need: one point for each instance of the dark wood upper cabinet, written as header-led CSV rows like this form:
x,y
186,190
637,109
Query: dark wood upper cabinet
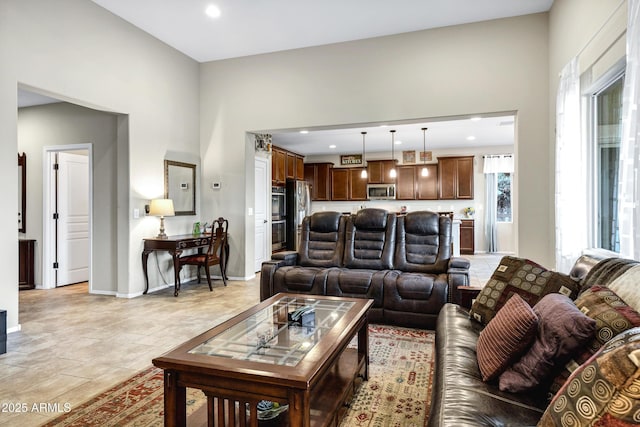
x,y
379,170
285,165
406,184
291,166
340,184
299,168
319,176
455,177
427,186
357,185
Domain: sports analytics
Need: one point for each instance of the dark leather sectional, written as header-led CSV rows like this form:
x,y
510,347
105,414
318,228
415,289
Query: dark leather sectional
x,y
403,263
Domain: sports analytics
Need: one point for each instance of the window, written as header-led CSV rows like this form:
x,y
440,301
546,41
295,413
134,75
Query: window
x,y
606,130
503,211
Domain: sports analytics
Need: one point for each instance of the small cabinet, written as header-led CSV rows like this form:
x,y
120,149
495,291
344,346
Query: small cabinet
x,y
455,177
467,237
340,184
318,175
26,257
378,171
357,185
299,175
406,185
278,167
427,186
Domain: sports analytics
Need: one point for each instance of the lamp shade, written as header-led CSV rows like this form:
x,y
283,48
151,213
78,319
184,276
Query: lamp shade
x,y
161,207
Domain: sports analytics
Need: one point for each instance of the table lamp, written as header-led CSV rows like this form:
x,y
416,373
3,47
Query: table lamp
x,y
161,208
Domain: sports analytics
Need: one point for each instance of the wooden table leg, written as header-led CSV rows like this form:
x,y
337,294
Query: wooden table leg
x,y
299,409
145,258
175,401
176,271
363,346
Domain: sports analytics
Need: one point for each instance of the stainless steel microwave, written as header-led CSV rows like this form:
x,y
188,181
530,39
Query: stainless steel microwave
x,y
381,191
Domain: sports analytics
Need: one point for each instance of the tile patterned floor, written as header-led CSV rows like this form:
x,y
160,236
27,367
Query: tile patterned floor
x,y
74,345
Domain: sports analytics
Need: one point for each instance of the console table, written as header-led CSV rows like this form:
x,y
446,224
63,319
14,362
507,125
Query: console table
x,y
175,245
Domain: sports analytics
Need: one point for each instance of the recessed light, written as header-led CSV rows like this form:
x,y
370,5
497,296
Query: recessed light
x,y
476,119
398,142
384,126
332,146
471,138
304,131
212,11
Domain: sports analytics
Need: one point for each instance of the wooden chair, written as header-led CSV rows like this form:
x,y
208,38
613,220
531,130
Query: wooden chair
x,y
213,256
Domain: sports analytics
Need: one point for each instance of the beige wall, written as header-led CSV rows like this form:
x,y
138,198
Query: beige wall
x,y
79,52
68,124
496,66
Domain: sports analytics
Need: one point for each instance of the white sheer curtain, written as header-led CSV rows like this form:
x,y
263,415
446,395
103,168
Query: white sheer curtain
x,y
571,182
493,165
629,188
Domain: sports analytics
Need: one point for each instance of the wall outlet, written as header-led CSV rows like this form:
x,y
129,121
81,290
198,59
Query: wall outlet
x,y
216,185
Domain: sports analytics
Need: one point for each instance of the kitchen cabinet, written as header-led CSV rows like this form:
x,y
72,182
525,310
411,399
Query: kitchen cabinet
x,y
357,185
406,185
291,165
299,175
319,176
340,184
278,167
467,237
378,171
455,177
26,258
427,186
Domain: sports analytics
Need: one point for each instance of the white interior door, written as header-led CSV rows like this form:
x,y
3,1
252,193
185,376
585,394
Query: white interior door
x,y
262,194
73,219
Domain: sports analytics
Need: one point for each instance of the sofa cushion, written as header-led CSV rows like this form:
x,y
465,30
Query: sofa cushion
x,y
612,316
605,391
523,277
626,287
322,240
423,242
506,337
562,330
370,240
295,279
606,271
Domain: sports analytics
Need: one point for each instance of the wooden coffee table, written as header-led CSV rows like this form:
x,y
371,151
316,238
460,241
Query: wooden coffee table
x,y
262,355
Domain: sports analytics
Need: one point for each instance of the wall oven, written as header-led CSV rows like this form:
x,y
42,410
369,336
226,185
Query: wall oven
x,y
278,219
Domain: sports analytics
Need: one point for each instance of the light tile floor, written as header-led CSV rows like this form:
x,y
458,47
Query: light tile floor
x,y
74,345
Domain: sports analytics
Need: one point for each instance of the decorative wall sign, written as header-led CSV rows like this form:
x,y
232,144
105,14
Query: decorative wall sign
x,y
426,156
409,156
351,159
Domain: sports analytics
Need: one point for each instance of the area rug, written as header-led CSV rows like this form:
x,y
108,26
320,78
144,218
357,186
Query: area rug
x,y
398,392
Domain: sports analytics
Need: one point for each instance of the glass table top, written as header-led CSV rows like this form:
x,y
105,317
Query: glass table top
x,y
281,334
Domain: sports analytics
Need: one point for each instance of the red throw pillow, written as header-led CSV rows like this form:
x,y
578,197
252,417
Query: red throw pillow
x,y
506,337
562,330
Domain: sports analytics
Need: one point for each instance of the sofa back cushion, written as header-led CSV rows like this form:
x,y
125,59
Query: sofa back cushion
x,y
423,242
322,240
370,239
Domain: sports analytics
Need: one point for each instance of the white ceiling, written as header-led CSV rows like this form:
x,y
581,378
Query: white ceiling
x,y
249,27
440,134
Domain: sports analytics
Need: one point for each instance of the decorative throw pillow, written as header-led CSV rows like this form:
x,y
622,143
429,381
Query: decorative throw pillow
x,y
612,316
562,330
604,390
523,277
626,287
506,337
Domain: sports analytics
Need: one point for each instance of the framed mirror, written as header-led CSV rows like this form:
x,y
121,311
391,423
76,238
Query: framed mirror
x,y
22,193
180,186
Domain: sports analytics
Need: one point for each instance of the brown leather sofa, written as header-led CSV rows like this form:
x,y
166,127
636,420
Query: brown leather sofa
x,y
460,398
403,263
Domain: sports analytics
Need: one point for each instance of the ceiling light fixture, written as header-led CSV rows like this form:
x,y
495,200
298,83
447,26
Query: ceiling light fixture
x,y
304,131
425,171
332,146
392,172
363,174
471,138
213,11
476,119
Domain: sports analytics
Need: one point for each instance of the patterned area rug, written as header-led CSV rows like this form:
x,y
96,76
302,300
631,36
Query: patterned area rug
x,y
398,392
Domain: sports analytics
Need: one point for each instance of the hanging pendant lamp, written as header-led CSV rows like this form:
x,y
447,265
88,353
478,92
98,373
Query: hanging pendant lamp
x,y
425,171
363,174
392,172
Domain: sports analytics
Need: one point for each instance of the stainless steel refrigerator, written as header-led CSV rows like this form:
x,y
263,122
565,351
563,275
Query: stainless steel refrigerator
x,y
298,206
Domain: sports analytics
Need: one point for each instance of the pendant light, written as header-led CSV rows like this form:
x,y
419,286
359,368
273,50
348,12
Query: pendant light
x,y
363,174
425,171
392,172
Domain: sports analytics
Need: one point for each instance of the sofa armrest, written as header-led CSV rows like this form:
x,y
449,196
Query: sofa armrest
x,y
279,259
457,275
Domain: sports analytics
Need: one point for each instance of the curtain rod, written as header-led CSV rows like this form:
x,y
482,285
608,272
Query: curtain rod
x,y
497,155
600,29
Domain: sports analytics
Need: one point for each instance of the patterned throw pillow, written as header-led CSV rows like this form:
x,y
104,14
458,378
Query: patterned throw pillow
x,y
523,277
612,316
506,337
562,330
605,391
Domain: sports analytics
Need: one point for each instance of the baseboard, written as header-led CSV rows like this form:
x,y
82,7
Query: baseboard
x,y
14,329
109,293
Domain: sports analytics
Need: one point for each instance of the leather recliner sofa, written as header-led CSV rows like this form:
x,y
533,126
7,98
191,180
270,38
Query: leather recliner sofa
x,y
403,263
